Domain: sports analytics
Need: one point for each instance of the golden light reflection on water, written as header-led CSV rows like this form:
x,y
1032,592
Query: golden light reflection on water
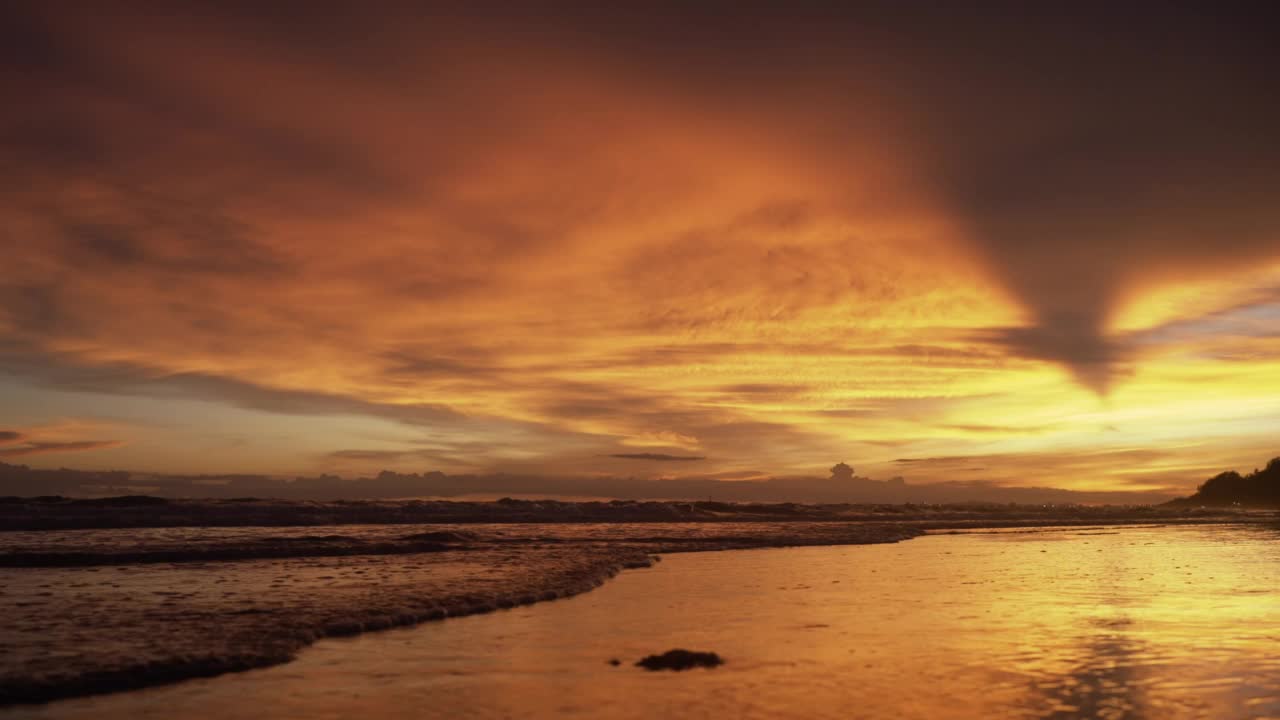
x,y
1109,623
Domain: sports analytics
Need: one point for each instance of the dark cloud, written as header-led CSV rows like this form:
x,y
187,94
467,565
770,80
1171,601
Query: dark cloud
x,y
657,456
43,448
1091,154
172,241
128,379
38,308
1117,455
104,243
1133,466
1075,341
414,367
425,455
776,389
8,436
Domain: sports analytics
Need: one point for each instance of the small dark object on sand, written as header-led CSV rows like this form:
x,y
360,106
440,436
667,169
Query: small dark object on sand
x,y
615,662
680,660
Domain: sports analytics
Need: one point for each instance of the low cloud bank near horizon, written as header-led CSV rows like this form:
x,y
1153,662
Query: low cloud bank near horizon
x,y
19,480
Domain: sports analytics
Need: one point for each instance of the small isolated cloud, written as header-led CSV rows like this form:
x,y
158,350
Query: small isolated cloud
x,y
9,436
43,448
657,456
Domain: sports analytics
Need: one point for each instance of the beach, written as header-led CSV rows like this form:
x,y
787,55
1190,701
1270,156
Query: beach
x,y
1107,622
104,610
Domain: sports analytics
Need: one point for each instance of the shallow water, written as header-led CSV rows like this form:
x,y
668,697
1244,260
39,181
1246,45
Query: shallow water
x,y
1173,622
130,541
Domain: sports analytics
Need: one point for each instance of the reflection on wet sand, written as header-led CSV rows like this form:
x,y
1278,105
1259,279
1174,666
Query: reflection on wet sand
x,y
1106,685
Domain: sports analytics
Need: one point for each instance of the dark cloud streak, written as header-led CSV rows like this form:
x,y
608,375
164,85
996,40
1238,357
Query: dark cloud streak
x,y
661,457
1091,153
44,448
128,379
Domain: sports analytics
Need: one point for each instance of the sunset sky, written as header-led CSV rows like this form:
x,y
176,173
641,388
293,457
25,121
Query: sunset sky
x,y
1010,246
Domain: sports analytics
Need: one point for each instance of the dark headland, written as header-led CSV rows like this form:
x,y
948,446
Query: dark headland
x,y
1258,489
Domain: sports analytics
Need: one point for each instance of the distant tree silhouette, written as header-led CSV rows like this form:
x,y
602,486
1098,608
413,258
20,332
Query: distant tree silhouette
x,y
841,472
1260,488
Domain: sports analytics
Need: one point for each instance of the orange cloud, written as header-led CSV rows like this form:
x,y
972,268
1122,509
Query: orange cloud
x,y
522,246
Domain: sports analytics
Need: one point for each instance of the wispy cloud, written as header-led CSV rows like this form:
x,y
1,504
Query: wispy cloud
x,y
44,448
661,457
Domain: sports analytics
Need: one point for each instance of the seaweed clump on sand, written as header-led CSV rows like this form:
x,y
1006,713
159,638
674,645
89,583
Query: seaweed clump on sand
x,y
681,660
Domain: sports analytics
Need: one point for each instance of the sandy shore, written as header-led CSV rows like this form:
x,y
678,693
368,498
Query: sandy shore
x,y
90,611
